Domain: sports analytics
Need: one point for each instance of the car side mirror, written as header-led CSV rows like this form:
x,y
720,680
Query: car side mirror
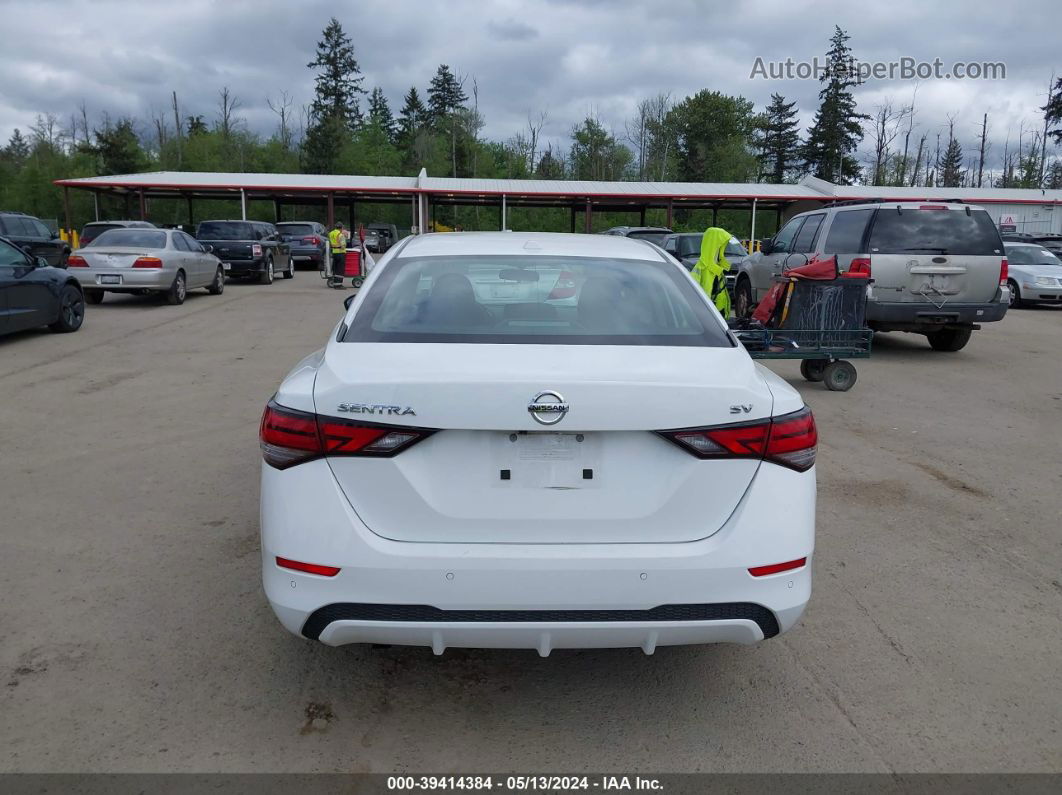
x,y
207,248
40,262
767,246
55,236
348,301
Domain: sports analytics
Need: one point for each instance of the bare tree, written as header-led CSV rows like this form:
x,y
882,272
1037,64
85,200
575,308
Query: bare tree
x,y
637,128
282,108
228,104
176,126
918,159
534,132
887,124
1043,140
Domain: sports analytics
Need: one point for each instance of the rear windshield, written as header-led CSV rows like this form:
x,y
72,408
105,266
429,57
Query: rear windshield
x,y
92,230
295,230
535,300
1031,255
939,231
130,238
652,237
226,230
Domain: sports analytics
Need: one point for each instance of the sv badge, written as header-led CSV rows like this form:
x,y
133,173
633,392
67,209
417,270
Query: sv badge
x,y
741,408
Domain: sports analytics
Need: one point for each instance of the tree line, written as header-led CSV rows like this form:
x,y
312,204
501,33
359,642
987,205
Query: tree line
x,y
709,136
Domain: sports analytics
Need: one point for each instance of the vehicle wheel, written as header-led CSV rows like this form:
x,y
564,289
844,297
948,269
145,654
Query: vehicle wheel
x,y
357,282
290,272
839,376
742,298
1015,295
949,339
178,290
266,277
94,296
217,287
813,369
71,310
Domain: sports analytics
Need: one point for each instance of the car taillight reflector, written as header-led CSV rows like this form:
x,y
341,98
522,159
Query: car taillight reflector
x,y
564,287
790,440
74,261
313,240
256,250
858,268
776,568
1004,271
309,568
290,437
147,262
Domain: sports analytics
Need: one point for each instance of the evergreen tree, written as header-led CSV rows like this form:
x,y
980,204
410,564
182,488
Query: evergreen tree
x,y
712,135
380,113
595,153
196,126
1053,111
334,112
951,166
117,149
445,95
17,149
836,130
411,118
778,139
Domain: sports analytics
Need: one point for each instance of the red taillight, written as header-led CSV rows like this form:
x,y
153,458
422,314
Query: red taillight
x,y
776,568
1004,271
859,268
309,568
313,240
256,249
564,287
932,207
789,441
147,262
74,261
290,437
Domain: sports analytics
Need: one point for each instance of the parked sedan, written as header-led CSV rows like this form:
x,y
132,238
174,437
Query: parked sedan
x,y
613,472
1034,274
168,262
33,293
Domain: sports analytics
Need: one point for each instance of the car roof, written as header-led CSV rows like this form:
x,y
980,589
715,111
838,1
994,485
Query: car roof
x,y
1017,244
442,244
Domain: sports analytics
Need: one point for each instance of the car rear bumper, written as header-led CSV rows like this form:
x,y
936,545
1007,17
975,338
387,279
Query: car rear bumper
x,y
240,267
313,255
542,596
915,315
132,279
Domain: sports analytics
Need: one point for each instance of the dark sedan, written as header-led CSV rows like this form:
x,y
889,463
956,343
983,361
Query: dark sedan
x,y
33,293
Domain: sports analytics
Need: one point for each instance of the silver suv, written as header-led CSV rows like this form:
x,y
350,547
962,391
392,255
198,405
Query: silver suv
x,y
939,268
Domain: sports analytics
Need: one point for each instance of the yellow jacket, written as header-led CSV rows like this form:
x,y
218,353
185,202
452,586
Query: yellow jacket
x,y
338,241
711,269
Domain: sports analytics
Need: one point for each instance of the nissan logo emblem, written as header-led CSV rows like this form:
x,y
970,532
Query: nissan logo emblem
x,y
547,408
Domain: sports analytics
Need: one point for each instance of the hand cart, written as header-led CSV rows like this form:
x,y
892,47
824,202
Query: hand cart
x,y
823,353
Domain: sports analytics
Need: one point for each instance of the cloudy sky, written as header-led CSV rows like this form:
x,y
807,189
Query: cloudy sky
x,y
567,57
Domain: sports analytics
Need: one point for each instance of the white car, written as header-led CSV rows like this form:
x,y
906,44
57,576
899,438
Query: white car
x,y
455,469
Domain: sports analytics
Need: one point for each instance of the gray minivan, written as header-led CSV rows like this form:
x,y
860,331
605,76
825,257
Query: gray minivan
x,y
938,268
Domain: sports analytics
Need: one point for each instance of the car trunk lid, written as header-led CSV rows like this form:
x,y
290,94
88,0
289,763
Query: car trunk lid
x,y
493,474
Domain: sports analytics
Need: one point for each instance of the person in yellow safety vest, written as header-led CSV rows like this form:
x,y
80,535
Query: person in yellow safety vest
x,y
337,238
712,267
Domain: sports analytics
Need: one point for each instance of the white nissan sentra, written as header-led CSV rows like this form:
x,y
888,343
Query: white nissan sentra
x,y
535,441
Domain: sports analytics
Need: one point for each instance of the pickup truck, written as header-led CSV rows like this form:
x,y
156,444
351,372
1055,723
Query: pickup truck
x,y
248,249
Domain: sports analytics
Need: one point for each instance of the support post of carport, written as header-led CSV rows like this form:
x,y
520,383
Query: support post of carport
x,y
351,216
331,212
96,203
670,212
143,206
128,211
641,216
66,211
276,211
503,213
588,223
777,218
243,204
572,208
752,231
191,215
715,215
414,223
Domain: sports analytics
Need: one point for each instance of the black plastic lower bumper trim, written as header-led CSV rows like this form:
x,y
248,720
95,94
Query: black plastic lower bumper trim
x,y
357,611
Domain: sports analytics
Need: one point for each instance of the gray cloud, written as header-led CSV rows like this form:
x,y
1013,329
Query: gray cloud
x,y
570,58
